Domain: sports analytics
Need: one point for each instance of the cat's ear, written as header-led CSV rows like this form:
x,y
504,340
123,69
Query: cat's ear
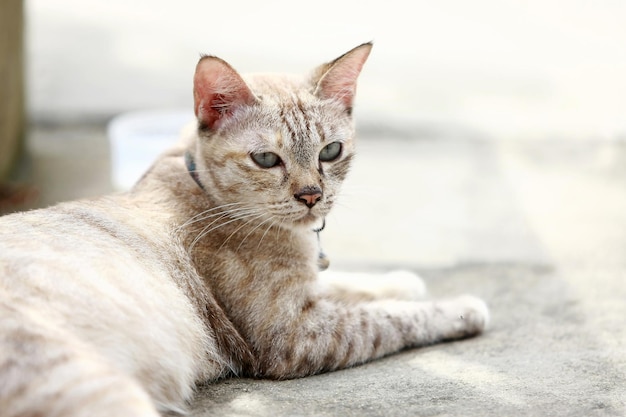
x,y
337,79
217,90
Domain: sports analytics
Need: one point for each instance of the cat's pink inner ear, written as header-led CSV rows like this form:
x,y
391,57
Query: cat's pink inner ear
x,y
217,90
339,81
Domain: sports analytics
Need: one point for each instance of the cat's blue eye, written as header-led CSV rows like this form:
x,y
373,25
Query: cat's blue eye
x,y
330,152
266,159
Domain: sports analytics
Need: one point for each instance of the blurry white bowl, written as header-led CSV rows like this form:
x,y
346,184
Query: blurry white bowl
x,y
138,138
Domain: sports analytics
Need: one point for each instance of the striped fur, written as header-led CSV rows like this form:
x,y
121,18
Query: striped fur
x,y
120,305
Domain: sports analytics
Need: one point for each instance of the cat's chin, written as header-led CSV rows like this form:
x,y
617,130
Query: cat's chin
x,y
308,220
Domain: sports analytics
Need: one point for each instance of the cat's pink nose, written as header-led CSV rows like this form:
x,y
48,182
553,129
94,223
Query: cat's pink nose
x,y
309,195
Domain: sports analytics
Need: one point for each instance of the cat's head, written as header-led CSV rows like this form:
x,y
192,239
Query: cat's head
x,y
275,146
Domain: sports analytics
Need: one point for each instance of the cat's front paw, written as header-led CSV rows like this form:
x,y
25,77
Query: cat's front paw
x,y
465,316
398,284
403,285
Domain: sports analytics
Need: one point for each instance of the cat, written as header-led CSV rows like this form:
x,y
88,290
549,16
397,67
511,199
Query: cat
x,y
207,267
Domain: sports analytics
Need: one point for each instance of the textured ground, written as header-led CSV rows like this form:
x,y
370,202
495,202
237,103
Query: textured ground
x,y
538,229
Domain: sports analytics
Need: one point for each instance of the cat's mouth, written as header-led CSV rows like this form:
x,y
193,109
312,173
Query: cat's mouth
x,y
300,215
307,219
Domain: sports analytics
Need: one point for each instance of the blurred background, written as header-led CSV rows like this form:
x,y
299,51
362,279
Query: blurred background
x,y
449,87
541,68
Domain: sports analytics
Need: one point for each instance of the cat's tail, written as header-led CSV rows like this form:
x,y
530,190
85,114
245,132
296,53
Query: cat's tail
x,y
46,372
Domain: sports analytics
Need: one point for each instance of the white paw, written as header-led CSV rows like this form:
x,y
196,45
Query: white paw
x,y
477,312
399,284
408,285
467,315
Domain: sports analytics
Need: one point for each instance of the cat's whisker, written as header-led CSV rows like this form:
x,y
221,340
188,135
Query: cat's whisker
x,y
252,231
266,230
202,213
230,213
208,229
279,228
239,228
199,216
237,211
350,200
345,205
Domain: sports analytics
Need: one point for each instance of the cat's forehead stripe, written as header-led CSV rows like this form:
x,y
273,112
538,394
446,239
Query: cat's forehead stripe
x,y
304,134
295,116
319,128
286,120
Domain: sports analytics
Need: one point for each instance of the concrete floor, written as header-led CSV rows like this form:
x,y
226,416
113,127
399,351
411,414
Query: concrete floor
x,y
536,228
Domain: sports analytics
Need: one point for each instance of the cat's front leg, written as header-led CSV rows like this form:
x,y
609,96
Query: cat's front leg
x,y
325,334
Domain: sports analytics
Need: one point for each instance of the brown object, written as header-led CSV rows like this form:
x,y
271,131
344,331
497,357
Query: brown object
x,y
16,197
12,116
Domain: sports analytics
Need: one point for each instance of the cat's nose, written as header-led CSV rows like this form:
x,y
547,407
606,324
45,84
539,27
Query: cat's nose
x,y
309,195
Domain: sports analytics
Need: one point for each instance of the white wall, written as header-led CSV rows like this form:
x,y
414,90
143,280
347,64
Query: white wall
x,y
534,69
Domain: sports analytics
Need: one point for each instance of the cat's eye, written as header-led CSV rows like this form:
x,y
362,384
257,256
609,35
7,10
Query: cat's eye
x,y
330,152
266,159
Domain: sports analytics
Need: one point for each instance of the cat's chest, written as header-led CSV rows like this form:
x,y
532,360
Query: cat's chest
x,y
255,282
262,266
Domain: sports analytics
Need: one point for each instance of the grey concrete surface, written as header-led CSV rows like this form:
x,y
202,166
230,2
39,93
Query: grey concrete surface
x,y
536,228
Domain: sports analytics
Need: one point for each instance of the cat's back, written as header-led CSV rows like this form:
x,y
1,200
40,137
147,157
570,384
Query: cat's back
x,y
102,272
76,242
